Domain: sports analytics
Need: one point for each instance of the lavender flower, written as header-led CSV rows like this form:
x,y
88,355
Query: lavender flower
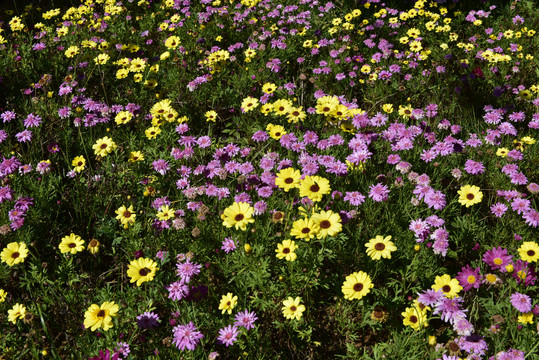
x,y
186,336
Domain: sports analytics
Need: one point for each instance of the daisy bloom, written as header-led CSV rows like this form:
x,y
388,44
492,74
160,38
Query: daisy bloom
x,y
275,131
104,146
314,187
126,216
529,251
380,247
328,222
470,195
357,285
526,318
71,244
14,253
288,178
304,229
135,156
93,246
17,312
450,287
123,117
238,215
286,250
79,163
227,303
142,270
249,103
152,132
100,316
3,295
415,317
292,309
210,115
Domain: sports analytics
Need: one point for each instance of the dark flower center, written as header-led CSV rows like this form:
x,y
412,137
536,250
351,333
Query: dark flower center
x,y
293,308
470,196
288,180
72,245
101,313
277,133
104,146
531,253
144,271
278,215
228,303
377,314
314,188
446,288
379,246
305,230
93,243
325,224
79,163
127,213
358,287
286,251
239,217
413,319
15,255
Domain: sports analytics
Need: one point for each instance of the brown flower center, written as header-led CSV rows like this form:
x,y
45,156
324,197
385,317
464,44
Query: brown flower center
x,y
446,288
79,163
15,255
358,287
531,253
103,146
288,181
305,230
127,213
470,196
286,251
239,217
325,224
314,188
101,314
93,243
413,319
293,308
71,245
144,271
379,246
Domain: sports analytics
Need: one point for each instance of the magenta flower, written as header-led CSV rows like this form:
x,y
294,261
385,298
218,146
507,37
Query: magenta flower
x,y
245,319
378,192
521,302
186,336
497,258
469,278
228,335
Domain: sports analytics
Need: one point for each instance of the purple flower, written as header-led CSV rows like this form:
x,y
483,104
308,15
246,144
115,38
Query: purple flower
x,y
430,297
510,354
463,327
245,319
177,290
523,273
161,166
521,302
450,309
24,136
473,344
228,245
469,278
187,269
497,258
354,198
186,336
378,192
228,335
474,167
32,121
148,320
498,209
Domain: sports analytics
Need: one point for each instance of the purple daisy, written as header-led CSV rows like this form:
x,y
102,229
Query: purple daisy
x,y
469,278
430,297
521,302
228,335
450,309
497,258
186,336
148,320
245,319
228,245
378,192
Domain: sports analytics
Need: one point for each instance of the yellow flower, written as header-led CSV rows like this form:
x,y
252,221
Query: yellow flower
x,y
380,247
282,107
314,187
172,42
529,251
17,312
123,117
165,213
388,108
526,318
227,303
269,88
405,111
328,222
93,246
137,65
470,195
135,156
292,309
104,146
101,59
79,163
210,115
71,244
357,285
286,249
16,24
122,73
304,229
502,152
275,131
100,316
248,104
126,216
450,287
152,132
238,215
3,295
288,179
142,270
296,114
71,51
415,317
14,253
